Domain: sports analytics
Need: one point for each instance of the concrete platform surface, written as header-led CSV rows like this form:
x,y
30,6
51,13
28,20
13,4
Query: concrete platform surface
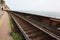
x,y
5,28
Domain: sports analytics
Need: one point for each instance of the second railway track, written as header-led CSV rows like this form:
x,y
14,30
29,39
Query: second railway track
x,y
29,31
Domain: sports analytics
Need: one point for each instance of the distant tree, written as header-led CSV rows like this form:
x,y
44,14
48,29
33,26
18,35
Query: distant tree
x,y
7,6
2,1
4,6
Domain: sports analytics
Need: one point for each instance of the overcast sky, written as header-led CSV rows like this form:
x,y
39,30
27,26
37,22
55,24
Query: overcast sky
x,y
44,5
36,5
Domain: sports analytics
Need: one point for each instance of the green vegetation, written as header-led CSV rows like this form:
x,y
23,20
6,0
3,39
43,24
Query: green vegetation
x,y
14,34
11,23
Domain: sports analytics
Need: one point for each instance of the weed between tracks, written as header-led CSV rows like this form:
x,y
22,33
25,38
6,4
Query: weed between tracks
x,y
14,33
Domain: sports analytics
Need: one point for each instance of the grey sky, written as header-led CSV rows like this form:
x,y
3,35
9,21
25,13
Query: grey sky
x,y
44,5
36,5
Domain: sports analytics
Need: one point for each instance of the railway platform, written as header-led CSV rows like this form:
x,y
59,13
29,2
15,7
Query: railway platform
x,y
5,28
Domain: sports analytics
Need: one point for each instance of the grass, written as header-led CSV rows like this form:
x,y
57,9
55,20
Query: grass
x,y
14,34
11,22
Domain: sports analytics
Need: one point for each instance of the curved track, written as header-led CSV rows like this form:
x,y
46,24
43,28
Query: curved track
x,y
29,31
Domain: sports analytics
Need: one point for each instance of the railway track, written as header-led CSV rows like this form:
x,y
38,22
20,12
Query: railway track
x,y
29,31
47,29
